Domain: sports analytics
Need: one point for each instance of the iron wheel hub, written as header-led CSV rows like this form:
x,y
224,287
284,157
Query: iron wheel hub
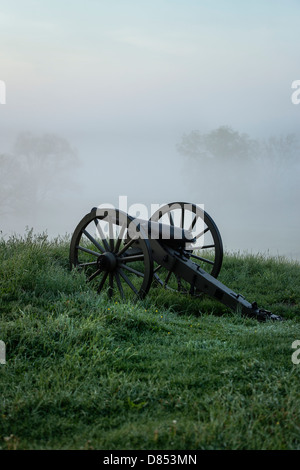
x,y
107,262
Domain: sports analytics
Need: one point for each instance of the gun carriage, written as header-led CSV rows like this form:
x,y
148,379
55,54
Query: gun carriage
x,y
178,248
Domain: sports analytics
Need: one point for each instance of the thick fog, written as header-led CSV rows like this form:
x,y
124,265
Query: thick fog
x,y
157,101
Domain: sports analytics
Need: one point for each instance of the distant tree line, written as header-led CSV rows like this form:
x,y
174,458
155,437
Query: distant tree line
x,y
227,167
227,145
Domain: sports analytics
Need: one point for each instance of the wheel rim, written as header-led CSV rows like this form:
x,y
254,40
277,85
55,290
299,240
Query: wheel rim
x,y
206,251
115,255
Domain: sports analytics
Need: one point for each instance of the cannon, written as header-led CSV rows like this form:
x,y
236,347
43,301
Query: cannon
x,y
179,248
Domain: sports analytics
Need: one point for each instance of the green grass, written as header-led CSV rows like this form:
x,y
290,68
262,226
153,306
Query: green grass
x,y
169,372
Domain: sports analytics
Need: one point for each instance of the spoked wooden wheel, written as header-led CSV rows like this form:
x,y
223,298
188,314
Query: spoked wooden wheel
x,y
114,253
207,249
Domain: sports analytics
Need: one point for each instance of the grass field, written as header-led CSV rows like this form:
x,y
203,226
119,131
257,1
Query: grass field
x,y
168,372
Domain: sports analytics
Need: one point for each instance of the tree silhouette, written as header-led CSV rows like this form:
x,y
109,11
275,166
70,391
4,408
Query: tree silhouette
x,y
227,145
38,168
222,144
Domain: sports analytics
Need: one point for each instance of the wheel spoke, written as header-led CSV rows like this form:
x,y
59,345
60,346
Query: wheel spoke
x,y
182,218
100,287
92,239
205,247
128,281
202,259
157,268
203,232
128,245
111,285
193,222
111,235
131,270
119,284
171,218
102,236
96,273
130,259
86,250
167,278
91,263
121,234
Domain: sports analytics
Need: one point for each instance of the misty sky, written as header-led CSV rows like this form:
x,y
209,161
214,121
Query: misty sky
x,y
122,80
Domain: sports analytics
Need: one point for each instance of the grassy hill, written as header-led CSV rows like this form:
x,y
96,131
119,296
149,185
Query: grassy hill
x,y
169,372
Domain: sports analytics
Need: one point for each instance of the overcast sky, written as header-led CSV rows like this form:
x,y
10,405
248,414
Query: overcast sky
x,y
122,80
